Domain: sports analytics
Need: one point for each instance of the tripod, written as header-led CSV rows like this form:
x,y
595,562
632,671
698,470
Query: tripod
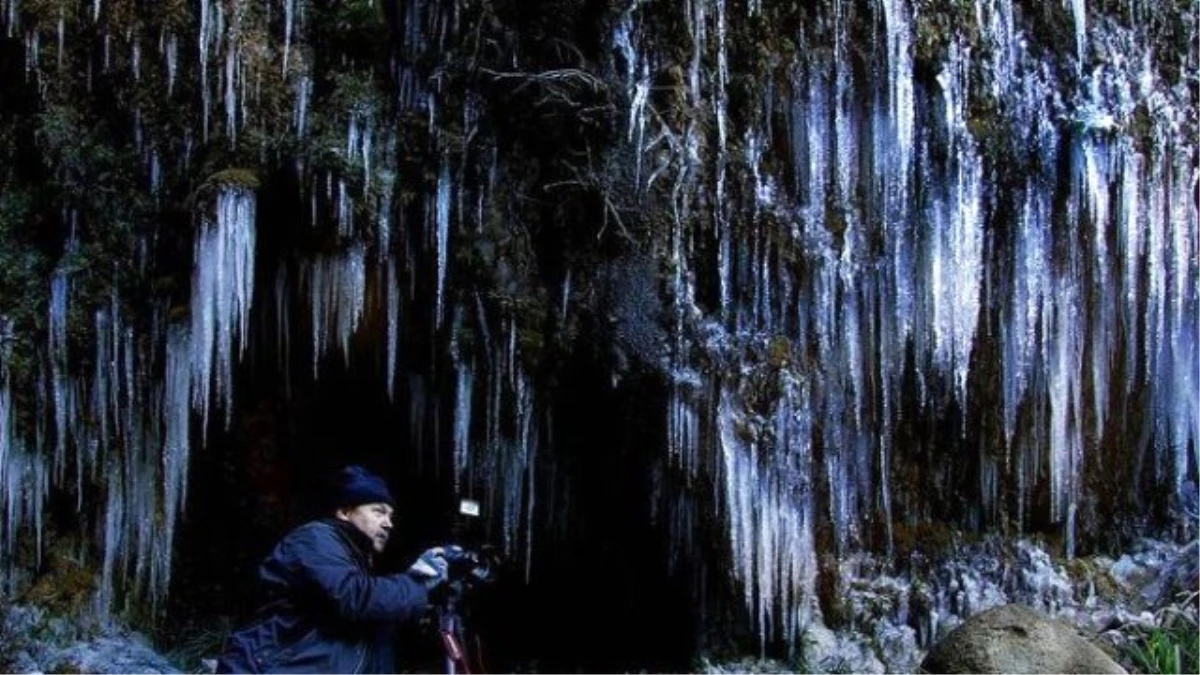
x,y
463,650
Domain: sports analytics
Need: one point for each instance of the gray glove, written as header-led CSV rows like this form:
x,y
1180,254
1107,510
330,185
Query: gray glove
x,y
431,568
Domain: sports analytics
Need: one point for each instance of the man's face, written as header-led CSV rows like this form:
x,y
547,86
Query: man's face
x,y
373,520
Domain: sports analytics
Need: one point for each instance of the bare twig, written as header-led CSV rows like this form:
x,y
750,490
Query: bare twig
x,y
558,76
609,206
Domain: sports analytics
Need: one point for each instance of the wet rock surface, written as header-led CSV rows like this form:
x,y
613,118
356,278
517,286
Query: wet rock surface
x,y
1016,639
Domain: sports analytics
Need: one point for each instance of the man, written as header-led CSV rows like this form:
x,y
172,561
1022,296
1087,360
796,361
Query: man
x,y
325,612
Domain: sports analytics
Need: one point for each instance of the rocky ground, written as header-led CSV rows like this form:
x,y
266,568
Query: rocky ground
x,y
896,618
892,619
32,641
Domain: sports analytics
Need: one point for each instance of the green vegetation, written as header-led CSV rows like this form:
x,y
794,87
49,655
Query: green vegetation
x,y
1165,650
65,589
938,24
1173,645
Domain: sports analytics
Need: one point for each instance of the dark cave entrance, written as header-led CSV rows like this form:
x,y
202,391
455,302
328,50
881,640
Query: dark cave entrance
x,y
600,595
601,598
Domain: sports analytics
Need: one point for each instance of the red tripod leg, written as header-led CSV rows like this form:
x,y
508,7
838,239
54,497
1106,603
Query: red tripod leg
x,y
455,657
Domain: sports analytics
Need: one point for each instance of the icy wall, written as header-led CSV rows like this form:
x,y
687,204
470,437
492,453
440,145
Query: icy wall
x,y
892,262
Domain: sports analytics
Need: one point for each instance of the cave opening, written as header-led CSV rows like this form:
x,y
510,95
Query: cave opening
x,y
587,586
600,596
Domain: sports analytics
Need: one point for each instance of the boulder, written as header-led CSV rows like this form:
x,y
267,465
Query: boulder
x,y
1016,639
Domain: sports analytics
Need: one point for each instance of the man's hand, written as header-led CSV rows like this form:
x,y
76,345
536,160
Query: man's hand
x,y
432,568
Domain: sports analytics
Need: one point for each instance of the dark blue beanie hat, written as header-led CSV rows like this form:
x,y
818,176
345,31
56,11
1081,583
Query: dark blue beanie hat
x,y
355,486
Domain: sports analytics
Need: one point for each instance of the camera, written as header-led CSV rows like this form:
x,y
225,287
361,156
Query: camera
x,y
472,567
468,564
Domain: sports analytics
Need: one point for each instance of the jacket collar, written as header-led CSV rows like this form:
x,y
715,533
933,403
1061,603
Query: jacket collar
x,y
360,544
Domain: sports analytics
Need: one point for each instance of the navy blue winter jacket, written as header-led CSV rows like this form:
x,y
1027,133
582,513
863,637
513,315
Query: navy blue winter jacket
x,y
325,612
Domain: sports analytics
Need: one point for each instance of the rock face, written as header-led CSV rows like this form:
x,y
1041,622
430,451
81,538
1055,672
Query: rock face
x,y
1179,576
1016,639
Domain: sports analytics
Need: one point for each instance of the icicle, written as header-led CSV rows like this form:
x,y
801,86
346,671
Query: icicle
x,y
816,144
36,502
995,18
351,293
566,298
172,56
1156,337
1180,390
723,234
222,289
231,98
770,518
1130,224
155,175
383,221
283,324
853,338
317,300
176,449
303,95
393,326
337,290
11,458
900,89
462,424
1079,13
345,216
115,365
845,134
442,237
1064,354
289,15
956,246
767,278
527,439
683,424
59,290
129,413
637,85
365,156
1091,186
492,438
352,137
32,52
204,38
1023,312
137,129
62,34
102,383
